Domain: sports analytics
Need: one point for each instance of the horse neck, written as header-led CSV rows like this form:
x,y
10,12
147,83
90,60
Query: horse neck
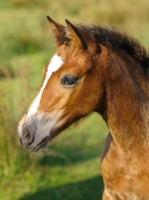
x,y
126,101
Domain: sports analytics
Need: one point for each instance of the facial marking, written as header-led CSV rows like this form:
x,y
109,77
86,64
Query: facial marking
x,y
54,65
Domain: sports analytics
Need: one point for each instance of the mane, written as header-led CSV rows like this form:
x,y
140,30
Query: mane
x,y
119,41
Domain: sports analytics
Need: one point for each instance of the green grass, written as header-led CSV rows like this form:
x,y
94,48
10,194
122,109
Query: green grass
x,y
69,167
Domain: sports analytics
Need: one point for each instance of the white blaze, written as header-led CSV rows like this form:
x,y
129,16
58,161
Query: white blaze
x,y
53,66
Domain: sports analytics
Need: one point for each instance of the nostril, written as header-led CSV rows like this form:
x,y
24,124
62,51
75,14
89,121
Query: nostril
x,y
27,136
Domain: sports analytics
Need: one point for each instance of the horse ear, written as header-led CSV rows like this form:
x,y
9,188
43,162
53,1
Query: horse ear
x,y
77,36
58,31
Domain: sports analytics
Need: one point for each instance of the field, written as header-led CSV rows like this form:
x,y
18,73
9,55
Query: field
x,y
69,168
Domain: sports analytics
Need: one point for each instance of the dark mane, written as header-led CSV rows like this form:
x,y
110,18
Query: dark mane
x,y
112,38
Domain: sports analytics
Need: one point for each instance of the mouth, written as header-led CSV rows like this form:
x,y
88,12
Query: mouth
x,y
41,145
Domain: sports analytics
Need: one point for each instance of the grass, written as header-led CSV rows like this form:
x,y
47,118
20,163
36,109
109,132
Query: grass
x,y
69,167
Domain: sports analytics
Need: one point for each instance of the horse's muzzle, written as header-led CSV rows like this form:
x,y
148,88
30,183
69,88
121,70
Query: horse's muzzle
x,y
33,135
30,141
27,137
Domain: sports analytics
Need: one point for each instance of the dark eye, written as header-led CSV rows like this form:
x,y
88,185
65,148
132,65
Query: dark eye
x,y
69,80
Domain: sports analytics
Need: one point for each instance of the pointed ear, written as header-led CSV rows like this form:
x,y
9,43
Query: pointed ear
x,y
58,31
78,37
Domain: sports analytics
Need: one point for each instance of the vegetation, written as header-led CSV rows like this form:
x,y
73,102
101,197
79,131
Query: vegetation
x,y
69,167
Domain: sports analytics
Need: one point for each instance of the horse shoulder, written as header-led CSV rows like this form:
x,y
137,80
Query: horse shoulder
x,y
123,176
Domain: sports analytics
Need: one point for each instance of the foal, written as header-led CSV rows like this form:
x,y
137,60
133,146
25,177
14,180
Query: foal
x,y
95,69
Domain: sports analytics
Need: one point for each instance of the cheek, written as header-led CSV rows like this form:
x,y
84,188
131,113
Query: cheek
x,y
85,98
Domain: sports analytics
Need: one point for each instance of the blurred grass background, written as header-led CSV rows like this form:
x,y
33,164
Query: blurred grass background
x,y
69,167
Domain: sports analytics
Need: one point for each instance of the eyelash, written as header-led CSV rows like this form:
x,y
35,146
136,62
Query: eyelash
x,y
69,80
